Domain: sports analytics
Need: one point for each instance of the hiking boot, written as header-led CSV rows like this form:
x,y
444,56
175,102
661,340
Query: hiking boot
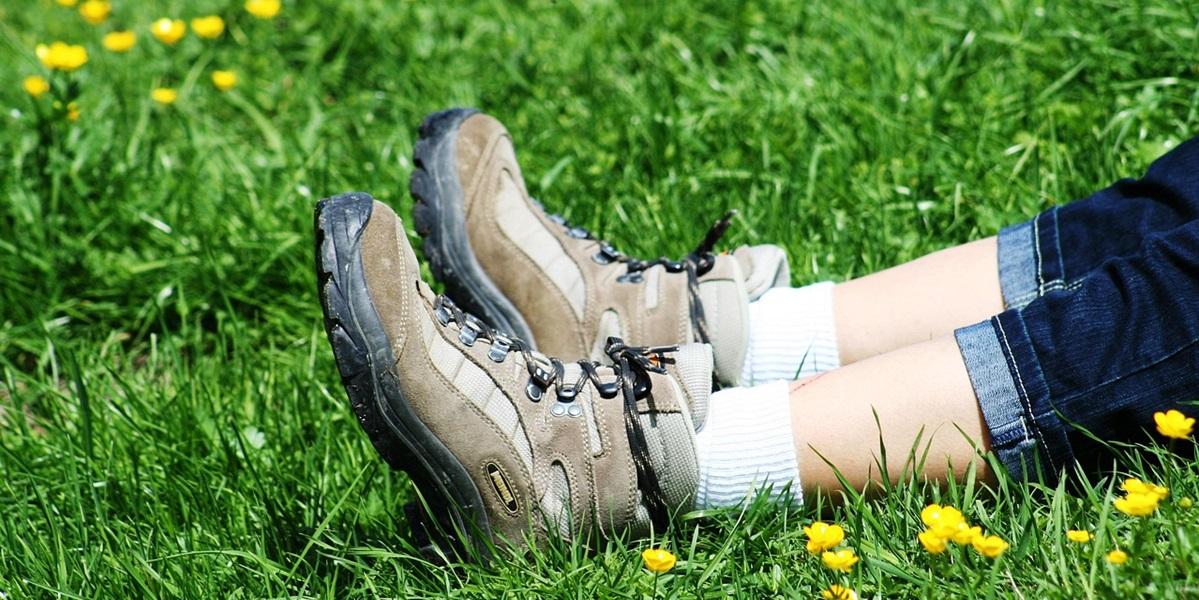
x,y
532,274
503,443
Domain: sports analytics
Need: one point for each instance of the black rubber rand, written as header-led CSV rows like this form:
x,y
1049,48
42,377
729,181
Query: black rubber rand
x,y
439,211
364,358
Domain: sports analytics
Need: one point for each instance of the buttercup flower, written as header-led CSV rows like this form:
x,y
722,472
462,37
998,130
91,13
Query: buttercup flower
x,y
1185,502
1117,557
657,560
1136,486
838,592
168,31
72,112
841,560
209,27
224,80
990,546
942,520
966,534
164,96
1174,424
36,85
95,11
263,9
822,536
1079,536
932,542
61,57
1137,505
119,41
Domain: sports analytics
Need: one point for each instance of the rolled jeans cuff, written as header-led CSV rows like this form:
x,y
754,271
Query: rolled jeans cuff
x,y
1030,260
1027,436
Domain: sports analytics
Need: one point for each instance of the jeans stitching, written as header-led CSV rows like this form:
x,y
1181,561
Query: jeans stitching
x,y
1052,286
1023,390
1036,241
1057,242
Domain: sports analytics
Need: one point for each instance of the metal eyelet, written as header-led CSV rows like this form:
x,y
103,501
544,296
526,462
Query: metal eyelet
x,y
577,233
541,377
606,254
634,277
499,349
608,390
574,410
642,387
558,410
469,333
443,315
567,394
534,392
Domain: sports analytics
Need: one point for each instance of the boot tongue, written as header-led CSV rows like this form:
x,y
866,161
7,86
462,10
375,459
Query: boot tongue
x,y
764,266
669,428
692,369
726,316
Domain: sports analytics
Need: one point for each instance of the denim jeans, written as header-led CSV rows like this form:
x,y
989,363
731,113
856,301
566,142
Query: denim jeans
x,y
1101,327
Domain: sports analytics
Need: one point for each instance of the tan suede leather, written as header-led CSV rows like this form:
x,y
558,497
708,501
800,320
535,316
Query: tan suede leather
x,y
440,379
657,314
533,275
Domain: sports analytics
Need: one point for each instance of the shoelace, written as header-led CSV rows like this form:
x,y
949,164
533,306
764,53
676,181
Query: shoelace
x,y
632,366
695,264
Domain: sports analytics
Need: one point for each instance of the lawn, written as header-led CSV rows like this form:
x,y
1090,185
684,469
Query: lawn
x,y
171,421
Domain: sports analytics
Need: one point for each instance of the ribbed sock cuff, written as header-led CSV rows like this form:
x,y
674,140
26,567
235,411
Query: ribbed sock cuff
x,y
747,445
791,335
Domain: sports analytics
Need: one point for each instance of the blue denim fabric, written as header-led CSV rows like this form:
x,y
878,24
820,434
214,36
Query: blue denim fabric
x,y
1102,322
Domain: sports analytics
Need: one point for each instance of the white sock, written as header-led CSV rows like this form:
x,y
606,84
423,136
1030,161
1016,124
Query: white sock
x,y
791,334
746,445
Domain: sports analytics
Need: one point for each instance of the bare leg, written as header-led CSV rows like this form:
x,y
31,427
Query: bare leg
x,y
917,301
920,393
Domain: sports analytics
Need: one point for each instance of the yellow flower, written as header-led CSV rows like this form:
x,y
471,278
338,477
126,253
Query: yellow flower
x,y
164,95
838,592
1136,486
168,31
67,3
1117,557
942,520
1137,505
61,57
263,9
209,27
822,536
990,546
932,542
841,560
224,80
119,41
1174,424
657,560
95,11
966,534
1080,536
1185,502
36,85
72,112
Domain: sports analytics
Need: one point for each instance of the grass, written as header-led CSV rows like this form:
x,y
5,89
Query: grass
x,y
172,421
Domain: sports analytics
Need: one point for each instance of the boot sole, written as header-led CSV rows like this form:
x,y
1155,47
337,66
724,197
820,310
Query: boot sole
x,y
440,215
364,359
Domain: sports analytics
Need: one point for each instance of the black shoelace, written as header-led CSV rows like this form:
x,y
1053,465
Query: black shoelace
x,y
632,366
695,264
